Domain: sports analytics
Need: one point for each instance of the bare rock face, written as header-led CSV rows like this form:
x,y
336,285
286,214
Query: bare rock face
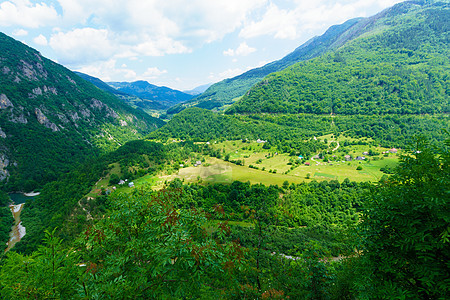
x,y
100,105
42,119
4,163
71,80
2,134
5,102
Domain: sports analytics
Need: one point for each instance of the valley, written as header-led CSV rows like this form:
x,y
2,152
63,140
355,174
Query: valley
x,y
248,161
321,175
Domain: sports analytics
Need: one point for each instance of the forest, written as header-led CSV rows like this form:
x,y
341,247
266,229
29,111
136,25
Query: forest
x,y
314,240
115,217
401,70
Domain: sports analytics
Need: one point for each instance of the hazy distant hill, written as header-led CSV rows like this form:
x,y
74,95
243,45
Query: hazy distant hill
x,y
51,119
226,91
134,101
198,90
397,62
164,96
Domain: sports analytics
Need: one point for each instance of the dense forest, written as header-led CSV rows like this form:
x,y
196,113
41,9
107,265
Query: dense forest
x,y
403,69
317,240
114,218
295,131
42,104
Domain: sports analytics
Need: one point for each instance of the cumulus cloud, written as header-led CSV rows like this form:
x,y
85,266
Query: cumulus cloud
x,y
242,50
278,22
26,14
157,47
108,71
41,40
308,16
20,32
152,73
82,45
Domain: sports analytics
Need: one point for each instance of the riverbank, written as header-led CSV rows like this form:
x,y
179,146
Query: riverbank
x,y
18,230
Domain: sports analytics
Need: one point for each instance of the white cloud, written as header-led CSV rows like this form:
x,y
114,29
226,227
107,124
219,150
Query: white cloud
x,y
26,14
20,32
277,22
229,73
80,46
308,16
242,50
152,73
107,71
41,40
157,47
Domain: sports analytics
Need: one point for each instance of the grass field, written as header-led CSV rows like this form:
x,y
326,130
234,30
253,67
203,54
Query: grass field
x,y
272,168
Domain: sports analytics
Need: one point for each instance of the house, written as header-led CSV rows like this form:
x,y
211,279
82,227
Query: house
x,y
365,153
131,184
360,158
348,158
300,157
197,163
260,141
307,163
393,150
121,182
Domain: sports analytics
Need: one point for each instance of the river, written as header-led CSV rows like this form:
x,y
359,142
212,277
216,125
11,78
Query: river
x,y
18,230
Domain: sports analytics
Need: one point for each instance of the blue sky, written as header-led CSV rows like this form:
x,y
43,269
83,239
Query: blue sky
x,y
174,43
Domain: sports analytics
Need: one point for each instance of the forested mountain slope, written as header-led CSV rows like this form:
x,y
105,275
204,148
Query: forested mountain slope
x,y
51,119
400,65
132,100
164,96
225,91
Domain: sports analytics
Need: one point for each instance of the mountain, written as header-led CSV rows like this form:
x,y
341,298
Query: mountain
x,y
51,119
133,101
229,90
164,96
198,90
394,62
100,84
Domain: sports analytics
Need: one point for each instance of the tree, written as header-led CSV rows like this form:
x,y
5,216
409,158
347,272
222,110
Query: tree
x,y
49,273
148,248
406,228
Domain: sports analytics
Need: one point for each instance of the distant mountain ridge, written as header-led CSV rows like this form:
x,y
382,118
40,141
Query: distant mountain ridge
x,y
51,119
132,100
226,91
165,96
198,90
396,62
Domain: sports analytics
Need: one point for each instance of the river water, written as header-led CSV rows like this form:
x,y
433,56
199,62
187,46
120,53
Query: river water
x,y
18,231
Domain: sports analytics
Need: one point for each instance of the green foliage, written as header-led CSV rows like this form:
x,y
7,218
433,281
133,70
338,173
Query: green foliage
x,y
50,273
228,90
293,132
406,228
55,120
151,96
402,67
147,248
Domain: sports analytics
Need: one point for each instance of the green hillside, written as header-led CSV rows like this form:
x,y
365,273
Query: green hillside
x,y
132,100
226,91
401,66
51,119
150,95
289,132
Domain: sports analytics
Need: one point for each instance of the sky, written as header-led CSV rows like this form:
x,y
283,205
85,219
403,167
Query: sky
x,y
174,43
